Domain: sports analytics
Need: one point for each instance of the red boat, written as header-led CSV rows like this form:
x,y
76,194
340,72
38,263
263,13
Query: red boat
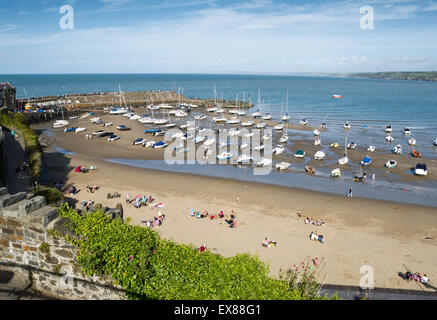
x,y
416,154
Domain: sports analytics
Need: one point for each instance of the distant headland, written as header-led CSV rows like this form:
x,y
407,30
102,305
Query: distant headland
x,y
414,76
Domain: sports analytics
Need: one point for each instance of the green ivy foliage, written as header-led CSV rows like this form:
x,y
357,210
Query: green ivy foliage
x,y
149,267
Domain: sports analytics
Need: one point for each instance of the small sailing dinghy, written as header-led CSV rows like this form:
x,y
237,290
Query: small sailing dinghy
x,y
347,126
412,142
261,125
278,150
244,159
391,164
389,129
160,145
317,141
267,116
149,144
397,149
247,124
243,146
60,124
113,138
344,160
264,163
279,127
335,173
366,161
304,122
299,154
233,120
200,117
282,166
435,142
389,139
70,129
316,132
371,148
259,148
224,156
283,139
138,141
352,146
421,170
407,131
79,130
334,145
320,155
123,128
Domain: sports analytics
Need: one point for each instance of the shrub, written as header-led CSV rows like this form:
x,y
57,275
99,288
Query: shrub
x,y
149,267
52,195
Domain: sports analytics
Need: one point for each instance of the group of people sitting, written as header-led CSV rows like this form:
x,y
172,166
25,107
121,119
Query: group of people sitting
x,y
139,201
231,222
268,243
88,204
71,191
92,189
316,236
309,169
318,223
416,277
157,221
21,166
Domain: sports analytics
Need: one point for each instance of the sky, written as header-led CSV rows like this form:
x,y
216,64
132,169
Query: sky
x,y
218,36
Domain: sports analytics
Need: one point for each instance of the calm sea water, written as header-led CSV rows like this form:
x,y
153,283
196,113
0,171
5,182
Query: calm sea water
x,y
375,103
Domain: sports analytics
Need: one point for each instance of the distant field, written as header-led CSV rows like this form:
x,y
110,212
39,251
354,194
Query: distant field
x,y
415,76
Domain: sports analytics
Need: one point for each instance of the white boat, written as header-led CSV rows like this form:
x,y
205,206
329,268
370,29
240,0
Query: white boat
x,y
139,141
283,139
135,117
177,135
244,159
84,116
247,124
282,165
233,111
389,139
371,148
117,111
60,124
317,132
299,154
94,120
146,120
421,169
233,120
149,144
266,137
412,142
182,150
234,132
128,115
347,126
212,109
388,129
113,138
278,150
172,112
209,142
165,106
181,114
160,121
160,145
256,114
224,156
153,108
170,125
344,160
285,117
435,142
220,111
243,146
248,135
303,122
391,164
407,131
219,119
317,142
264,163
397,149
336,173
259,148
99,132
261,125
352,146
199,139
107,124
320,155
200,117
79,130
267,116
279,127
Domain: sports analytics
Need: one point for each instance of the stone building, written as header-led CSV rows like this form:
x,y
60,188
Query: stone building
x,y
7,95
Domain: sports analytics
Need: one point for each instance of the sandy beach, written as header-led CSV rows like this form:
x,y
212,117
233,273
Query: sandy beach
x,y
391,237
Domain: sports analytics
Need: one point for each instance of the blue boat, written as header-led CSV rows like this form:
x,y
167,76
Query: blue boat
x,y
159,145
152,130
70,129
366,161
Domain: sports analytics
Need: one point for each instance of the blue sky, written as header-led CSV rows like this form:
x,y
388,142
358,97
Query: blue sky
x,y
215,36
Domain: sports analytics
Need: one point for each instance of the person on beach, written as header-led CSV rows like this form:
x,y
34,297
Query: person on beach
x,y
316,262
233,215
349,195
144,200
202,248
128,198
221,215
192,213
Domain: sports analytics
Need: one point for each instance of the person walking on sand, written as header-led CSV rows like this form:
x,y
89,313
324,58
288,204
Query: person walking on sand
x,y
349,195
128,198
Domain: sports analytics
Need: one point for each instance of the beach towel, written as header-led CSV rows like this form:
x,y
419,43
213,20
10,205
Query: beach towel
x,y
78,169
159,205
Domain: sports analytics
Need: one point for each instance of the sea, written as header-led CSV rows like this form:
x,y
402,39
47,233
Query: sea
x,y
371,102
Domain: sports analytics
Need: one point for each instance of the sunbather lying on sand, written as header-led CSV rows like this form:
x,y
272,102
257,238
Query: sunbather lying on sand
x,y
315,236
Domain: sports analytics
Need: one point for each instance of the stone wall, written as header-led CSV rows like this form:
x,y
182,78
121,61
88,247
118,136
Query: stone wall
x,y
27,248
